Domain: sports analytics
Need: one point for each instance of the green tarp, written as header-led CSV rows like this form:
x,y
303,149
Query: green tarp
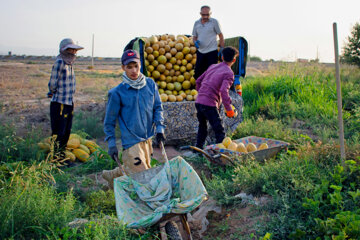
x,y
142,199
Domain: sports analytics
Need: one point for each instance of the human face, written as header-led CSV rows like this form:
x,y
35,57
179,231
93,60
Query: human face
x,y
205,14
132,70
71,50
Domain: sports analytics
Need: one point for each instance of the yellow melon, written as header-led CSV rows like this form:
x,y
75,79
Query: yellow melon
x,y
81,154
263,146
44,146
91,145
70,155
221,146
251,147
232,146
85,148
73,143
226,141
241,148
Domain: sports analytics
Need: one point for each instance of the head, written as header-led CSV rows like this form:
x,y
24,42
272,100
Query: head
x,y
205,13
229,55
131,64
68,45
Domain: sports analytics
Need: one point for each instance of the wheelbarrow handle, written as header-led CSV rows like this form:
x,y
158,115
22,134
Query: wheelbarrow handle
x,y
120,165
163,152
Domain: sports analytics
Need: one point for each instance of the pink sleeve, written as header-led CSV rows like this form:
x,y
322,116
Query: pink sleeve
x,y
224,91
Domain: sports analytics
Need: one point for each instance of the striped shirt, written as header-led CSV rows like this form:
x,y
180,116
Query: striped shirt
x,y
62,82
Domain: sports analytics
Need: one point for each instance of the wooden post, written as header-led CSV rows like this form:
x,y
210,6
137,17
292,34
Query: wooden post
x,y
339,99
92,54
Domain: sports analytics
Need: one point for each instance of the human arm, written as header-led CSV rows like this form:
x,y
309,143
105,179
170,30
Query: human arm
x,y
54,77
158,112
195,37
224,91
111,116
221,40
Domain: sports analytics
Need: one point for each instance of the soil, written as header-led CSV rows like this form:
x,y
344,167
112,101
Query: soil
x,y
23,102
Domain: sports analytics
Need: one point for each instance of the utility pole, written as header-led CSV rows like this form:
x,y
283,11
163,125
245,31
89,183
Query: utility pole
x,y
92,54
339,99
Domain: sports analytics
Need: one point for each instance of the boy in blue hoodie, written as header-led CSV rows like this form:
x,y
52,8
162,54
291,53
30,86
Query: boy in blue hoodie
x,y
135,104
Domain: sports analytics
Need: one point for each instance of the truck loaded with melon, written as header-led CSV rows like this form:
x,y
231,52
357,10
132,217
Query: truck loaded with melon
x,y
170,61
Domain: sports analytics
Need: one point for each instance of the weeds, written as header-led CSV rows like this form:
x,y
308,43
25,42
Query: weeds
x,y
90,123
15,148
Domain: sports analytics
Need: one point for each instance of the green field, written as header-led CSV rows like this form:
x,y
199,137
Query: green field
x,y
309,193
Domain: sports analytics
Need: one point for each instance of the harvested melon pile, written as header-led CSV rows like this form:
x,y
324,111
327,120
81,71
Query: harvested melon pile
x,y
228,144
170,62
77,147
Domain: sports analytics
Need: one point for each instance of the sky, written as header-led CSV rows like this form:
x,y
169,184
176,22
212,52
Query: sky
x,y
278,29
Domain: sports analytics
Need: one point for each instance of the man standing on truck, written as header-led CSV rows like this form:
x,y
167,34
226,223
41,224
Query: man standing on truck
x,y
204,33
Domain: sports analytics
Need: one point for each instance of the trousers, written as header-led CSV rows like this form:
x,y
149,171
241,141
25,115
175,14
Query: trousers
x,y
204,115
61,116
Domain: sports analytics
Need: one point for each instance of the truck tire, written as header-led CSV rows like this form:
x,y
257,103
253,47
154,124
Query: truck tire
x,y
172,231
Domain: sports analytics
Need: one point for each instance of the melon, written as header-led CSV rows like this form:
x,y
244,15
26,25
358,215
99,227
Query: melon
x,y
263,146
251,147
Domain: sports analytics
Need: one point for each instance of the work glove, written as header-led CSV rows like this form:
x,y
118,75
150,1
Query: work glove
x,y
113,151
220,53
197,43
238,89
232,113
49,94
160,137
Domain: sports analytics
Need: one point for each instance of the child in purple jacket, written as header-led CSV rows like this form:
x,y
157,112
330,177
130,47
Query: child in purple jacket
x,y
213,89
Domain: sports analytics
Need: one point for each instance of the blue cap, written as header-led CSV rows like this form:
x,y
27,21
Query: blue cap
x,y
130,56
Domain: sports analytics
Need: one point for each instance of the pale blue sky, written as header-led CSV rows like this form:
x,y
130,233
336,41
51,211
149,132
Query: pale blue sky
x,y
277,29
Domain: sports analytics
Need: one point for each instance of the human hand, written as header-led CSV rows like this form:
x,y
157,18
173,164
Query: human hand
x,y
238,89
160,137
49,94
232,113
113,151
197,43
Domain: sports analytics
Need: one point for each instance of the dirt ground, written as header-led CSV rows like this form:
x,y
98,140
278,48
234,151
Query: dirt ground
x,y
23,102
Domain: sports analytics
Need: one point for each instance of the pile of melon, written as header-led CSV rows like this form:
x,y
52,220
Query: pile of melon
x,y
170,62
76,148
228,144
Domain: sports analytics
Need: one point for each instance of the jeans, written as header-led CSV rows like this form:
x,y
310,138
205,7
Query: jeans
x,y
211,114
203,62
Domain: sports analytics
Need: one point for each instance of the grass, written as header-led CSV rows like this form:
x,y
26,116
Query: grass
x,y
90,123
310,194
14,148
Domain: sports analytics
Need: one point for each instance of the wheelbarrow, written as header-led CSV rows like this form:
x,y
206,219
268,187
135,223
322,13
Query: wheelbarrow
x,y
173,224
224,157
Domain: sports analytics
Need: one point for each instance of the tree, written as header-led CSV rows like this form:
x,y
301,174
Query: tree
x,y
351,50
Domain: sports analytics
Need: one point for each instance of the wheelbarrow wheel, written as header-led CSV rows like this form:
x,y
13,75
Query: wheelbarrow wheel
x,y
172,231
